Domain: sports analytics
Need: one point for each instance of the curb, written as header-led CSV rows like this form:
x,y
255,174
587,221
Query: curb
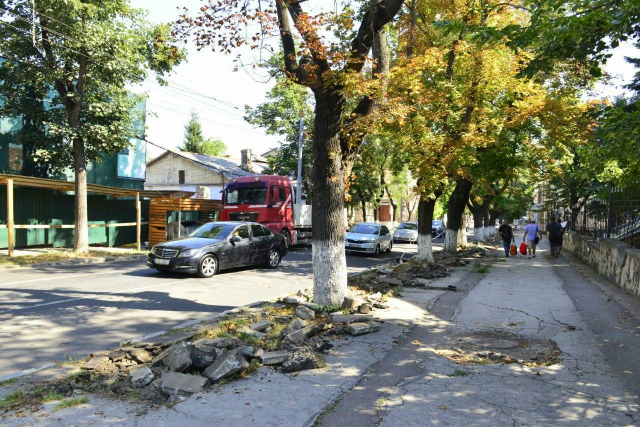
x,y
79,261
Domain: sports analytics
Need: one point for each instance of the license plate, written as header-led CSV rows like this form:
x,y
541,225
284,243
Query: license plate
x,y
353,245
162,261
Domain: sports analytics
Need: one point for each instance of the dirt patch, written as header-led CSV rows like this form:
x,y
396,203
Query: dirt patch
x,y
499,347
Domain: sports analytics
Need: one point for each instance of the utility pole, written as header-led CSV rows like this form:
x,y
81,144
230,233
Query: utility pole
x,y
299,179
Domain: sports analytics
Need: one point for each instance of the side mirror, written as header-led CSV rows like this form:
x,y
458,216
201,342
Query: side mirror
x,y
235,239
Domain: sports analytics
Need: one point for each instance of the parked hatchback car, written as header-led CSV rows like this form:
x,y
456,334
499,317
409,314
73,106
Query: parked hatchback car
x,y
406,232
437,228
219,245
368,238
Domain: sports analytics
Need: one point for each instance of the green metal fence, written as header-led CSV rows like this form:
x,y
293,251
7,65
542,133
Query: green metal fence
x,y
40,206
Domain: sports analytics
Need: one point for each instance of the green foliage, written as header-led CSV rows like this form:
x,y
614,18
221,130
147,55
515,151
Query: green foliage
x,y
481,268
280,115
68,403
195,142
47,85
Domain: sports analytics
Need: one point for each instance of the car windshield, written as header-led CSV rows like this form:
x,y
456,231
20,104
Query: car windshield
x,y
407,226
246,196
213,231
436,223
365,229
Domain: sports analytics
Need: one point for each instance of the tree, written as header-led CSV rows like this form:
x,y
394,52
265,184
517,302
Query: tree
x,y
193,137
345,97
195,142
80,61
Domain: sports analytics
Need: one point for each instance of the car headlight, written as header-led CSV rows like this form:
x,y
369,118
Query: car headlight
x,y
188,253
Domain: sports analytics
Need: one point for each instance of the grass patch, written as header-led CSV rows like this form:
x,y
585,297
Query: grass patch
x,y
72,361
78,375
52,396
460,373
481,268
285,311
9,381
17,398
223,329
64,255
250,340
274,337
328,308
174,331
68,403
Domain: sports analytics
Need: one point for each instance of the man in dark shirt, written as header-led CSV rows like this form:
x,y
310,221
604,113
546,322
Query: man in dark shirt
x,y
554,229
506,232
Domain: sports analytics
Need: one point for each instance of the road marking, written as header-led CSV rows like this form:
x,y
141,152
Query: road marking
x,y
55,278
44,304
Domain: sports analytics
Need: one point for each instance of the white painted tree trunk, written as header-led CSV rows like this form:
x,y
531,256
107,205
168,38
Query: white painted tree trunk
x,y
487,232
451,241
462,237
478,234
329,273
425,248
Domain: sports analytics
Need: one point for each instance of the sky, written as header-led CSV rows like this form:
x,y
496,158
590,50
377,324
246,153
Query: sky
x,y
207,84
204,74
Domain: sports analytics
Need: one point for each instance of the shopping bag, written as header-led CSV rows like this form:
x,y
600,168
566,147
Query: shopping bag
x,y
523,248
514,250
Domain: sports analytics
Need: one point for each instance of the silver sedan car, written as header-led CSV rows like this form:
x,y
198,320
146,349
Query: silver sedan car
x,y
406,232
368,238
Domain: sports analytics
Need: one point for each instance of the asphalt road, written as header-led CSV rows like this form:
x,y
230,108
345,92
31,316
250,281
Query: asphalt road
x,y
56,313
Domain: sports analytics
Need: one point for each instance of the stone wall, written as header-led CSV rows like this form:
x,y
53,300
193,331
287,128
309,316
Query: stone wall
x,y
613,259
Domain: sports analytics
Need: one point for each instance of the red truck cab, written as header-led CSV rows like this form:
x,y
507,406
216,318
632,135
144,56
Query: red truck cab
x,y
267,199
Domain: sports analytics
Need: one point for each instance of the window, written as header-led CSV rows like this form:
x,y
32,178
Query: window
x,y
408,226
282,194
212,231
242,232
245,196
180,177
385,230
257,230
365,229
268,231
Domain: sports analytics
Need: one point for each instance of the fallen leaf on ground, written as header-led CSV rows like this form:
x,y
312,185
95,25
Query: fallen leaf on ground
x,y
442,407
523,344
416,342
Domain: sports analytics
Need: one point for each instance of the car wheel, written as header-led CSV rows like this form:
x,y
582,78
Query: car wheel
x,y
287,237
390,247
208,266
274,259
377,252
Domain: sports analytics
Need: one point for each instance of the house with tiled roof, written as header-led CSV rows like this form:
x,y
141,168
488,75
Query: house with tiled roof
x,y
199,173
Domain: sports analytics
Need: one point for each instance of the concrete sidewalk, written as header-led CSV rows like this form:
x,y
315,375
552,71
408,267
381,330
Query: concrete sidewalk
x,y
417,385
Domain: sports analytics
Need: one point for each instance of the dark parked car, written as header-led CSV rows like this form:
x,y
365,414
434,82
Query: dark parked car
x,y
437,228
219,245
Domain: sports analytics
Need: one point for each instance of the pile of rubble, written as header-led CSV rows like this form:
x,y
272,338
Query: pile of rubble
x,y
289,335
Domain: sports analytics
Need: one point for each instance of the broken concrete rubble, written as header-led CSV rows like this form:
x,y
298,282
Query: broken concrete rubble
x,y
141,376
260,326
226,342
302,334
364,309
350,303
202,355
178,359
390,281
295,325
305,313
141,355
250,332
362,328
301,360
292,300
173,382
227,365
92,363
274,358
349,318
252,352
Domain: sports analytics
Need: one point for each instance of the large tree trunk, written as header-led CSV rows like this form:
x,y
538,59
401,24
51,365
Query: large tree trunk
x,y
455,210
426,207
462,233
493,217
488,230
329,262
478,229
81,240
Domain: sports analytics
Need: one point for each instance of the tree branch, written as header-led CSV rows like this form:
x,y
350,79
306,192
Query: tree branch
x,y
51,62
377,16
288,44
309,36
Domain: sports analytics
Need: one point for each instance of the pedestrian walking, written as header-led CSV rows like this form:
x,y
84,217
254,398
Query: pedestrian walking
x,y
506,232
532,236
553,233
560,238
